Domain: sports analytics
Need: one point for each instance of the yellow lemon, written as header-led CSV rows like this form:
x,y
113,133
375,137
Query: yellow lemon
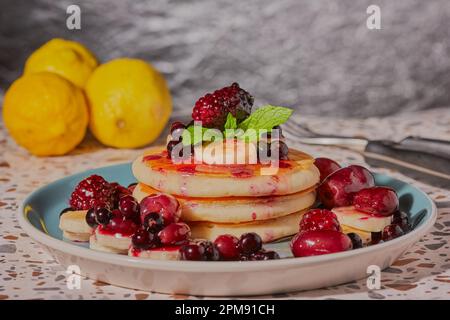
x,y
69,59
45,113
129,103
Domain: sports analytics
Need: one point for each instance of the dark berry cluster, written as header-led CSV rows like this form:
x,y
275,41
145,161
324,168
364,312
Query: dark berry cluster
x,y
181,151
228,248
160,226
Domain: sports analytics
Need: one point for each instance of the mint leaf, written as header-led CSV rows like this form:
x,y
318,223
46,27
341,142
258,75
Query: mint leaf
x,y
231,122
191,136
197,134
266,118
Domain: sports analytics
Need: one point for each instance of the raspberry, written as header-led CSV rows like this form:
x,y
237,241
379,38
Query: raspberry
x,y
319,219
92,192
213,108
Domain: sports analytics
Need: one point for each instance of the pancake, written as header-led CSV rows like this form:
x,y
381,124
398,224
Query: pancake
x,y
268,230
236,209
213,181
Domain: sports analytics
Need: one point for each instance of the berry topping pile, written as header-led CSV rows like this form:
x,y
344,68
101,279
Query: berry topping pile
x,y
159,216
229,111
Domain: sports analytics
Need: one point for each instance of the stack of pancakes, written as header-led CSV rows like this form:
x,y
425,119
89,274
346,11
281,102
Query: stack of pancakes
x,y
232,199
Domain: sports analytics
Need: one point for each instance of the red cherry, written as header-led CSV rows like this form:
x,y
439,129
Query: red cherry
x,y
402,220
264,255
227,245
339,188
131,187
326,167
376,200
392,231
192,252
319,219
312,243
121,226
164,204
249,243
129,207
142,239
175,234
211,252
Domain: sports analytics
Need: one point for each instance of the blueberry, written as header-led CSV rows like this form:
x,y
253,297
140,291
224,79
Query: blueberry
x,y
356,240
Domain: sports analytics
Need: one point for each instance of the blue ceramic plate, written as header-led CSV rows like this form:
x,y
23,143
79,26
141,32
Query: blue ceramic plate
x,y
39,217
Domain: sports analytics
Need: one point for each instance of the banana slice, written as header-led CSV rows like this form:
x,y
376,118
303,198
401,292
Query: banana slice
x,y
353,218
78,237
95,245
74,226
114,241
165,253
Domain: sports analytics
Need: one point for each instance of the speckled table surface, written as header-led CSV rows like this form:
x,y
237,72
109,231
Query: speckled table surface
x,y
28,272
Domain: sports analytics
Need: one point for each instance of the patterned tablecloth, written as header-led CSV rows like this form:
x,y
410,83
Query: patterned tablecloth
x,y
28,272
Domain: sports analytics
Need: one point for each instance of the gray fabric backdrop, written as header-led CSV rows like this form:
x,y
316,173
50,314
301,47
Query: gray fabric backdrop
x,y
315,55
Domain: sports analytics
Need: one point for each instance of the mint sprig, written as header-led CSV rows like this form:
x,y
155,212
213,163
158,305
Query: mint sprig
x,y
266,118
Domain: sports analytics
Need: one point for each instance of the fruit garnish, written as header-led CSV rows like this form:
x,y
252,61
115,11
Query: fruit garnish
x,y
356,240
319,219
375,237
391,231
228,247
213,108
153,222
91,192
263,255
260,122
174,234
376,200
266,117
210,250
313,243
326,167
249,243
118,192
402,220
164,204
265,150
102,215
119,225
129,207
91,219
192,252
339,188
143,239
